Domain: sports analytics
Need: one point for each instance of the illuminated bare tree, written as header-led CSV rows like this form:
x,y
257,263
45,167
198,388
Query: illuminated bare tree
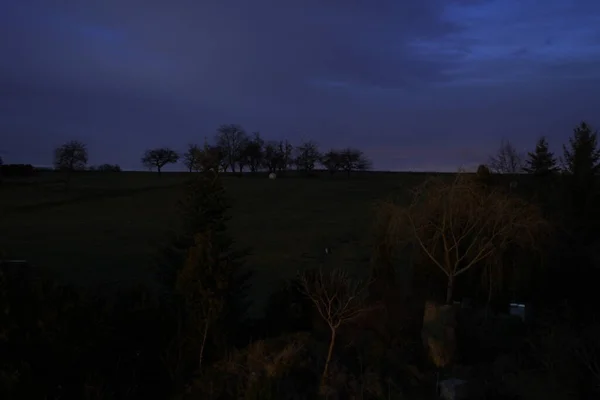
x,y
460,224
338,300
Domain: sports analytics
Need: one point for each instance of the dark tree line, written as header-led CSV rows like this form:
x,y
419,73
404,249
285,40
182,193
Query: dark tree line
x,y
574,175
568,188
234,150
581,157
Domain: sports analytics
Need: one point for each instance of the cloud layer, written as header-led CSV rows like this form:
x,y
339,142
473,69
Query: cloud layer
x,y
417,84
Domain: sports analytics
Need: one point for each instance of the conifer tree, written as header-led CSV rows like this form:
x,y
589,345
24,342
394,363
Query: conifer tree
x,y
582,165
203,277
582,156
542,161
203,208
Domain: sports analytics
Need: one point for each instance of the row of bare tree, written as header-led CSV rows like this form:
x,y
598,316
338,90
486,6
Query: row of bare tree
x,y
235,150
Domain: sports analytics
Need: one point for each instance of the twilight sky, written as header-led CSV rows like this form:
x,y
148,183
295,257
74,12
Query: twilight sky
x,y
416,84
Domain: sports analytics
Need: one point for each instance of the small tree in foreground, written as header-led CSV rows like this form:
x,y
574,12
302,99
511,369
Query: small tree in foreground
x,y
158,158
459,225
202,286
204,277
338,300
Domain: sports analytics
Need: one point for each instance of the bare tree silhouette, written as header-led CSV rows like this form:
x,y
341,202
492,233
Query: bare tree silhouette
x,y
459,225
338,300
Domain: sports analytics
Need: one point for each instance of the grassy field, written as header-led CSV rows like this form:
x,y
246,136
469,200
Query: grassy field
x,y
108,226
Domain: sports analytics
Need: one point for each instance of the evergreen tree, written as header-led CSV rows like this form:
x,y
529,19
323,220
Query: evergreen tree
x,y
582,165
582,157
202,208
542,161
203,278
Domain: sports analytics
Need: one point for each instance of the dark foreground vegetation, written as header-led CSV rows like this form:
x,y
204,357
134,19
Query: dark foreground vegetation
x,y
428,309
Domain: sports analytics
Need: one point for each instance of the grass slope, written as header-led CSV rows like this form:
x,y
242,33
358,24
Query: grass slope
x,y
107,227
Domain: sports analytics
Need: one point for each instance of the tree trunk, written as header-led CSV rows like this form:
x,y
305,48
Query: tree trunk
x,y
158,169
205,334
328,360
450,290
490,287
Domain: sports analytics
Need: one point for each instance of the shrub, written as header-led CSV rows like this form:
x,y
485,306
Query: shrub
x,y
483,172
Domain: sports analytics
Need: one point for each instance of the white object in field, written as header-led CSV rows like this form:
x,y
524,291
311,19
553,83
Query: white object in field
x,y
327,251
453,389
518,310
272,175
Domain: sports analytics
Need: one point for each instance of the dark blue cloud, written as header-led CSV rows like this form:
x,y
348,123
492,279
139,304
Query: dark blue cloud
x,y
418,84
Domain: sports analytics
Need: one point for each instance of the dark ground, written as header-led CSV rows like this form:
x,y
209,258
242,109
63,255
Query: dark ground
x,y
107,227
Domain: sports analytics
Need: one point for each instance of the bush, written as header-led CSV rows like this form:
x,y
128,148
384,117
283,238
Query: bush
x,y
483,172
